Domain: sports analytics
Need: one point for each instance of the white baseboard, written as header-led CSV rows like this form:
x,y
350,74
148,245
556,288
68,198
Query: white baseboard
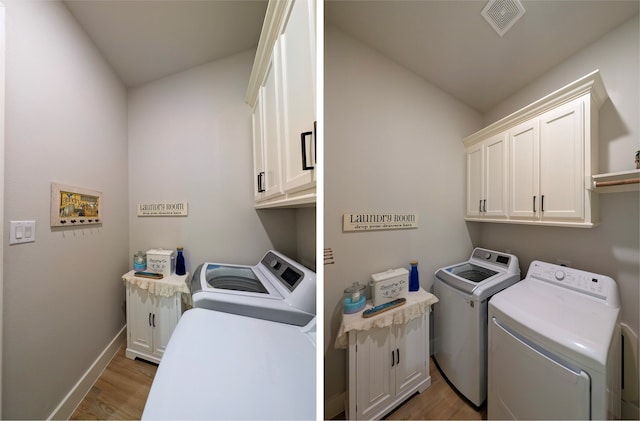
x,y
70,402
334,405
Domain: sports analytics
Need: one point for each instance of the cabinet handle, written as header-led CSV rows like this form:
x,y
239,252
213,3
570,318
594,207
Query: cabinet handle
x,y
484,205
149,319
534,204
393,359
303,137
398,354
480,205
260,181
154,320
315,148
542,203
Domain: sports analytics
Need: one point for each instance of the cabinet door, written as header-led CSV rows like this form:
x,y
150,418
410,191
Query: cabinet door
x,y
495,189
271,181
374,361
166,313
258,150
297,49
524,200
562,162
139,319
411,365
475,180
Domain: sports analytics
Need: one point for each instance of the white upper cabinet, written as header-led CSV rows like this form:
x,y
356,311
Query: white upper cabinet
x,y
475,179
486,178
282,95
523,171
562,177
298,93
551,150
266,147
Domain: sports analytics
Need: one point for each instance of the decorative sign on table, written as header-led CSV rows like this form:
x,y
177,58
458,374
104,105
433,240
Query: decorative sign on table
x,y
368,221
163,209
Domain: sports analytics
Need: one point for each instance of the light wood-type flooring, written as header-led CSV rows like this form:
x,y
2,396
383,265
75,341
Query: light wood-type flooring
x,y
439,402
120,392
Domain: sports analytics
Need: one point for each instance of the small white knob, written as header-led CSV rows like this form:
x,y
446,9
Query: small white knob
x,y
559,275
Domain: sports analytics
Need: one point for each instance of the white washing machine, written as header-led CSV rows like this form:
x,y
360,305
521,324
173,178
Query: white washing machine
x,y
246,351
554,346
460,317
277,289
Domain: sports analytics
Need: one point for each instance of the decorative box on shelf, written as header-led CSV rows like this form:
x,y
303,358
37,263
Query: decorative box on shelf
x,y
389,285
161,261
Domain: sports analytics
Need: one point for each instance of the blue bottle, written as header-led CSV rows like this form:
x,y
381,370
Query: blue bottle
x,y
180,266
414,281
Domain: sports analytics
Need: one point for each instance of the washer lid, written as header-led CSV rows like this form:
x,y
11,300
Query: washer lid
x,y
559,319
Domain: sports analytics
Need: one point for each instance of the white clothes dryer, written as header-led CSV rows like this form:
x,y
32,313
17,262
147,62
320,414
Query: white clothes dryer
x,y
460,317
554,346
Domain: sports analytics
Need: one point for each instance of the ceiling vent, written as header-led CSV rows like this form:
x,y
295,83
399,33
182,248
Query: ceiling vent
x,y
502,14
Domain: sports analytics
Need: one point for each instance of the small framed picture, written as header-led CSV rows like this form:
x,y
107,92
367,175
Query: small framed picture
x,y
75,206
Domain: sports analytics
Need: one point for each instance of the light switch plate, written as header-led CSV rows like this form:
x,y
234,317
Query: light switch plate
x,y
22,232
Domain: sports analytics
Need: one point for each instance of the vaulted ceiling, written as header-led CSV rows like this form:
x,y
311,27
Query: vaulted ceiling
x,y
144,40
450,44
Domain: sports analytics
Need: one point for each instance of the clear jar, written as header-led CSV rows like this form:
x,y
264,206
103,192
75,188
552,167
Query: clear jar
x,y
139,261
354,298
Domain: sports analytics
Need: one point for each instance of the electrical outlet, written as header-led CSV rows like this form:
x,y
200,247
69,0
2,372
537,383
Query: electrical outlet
x,y
563,262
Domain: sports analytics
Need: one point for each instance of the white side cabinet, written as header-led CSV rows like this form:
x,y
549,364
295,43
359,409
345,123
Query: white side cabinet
x,y
151,320
282,95
535,165
386,366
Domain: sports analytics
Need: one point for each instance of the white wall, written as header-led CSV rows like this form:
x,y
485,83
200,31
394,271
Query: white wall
x,y
393,142
613,247
190,141
65,122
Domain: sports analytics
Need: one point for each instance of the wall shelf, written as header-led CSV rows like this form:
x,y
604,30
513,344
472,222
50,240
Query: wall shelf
x,y
616,182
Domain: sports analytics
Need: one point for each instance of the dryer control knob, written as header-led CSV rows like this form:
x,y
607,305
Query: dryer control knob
x,y
559,275
487,255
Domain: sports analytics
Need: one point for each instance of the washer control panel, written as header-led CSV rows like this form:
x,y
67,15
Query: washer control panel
x,y
288,275
494,257
599,287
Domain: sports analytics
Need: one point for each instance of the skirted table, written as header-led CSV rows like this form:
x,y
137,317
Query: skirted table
x,y
388,355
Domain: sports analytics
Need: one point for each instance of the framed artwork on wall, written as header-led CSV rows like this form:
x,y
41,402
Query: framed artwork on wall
x,y
75,206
